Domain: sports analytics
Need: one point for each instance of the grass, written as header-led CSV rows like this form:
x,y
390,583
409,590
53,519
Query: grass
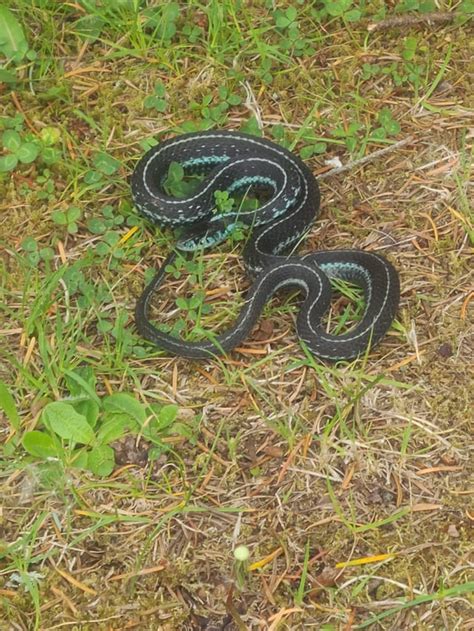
x,y
348,483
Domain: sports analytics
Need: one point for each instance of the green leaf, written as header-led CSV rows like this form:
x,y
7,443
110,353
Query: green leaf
x,y
281,21
62,419
306,152
339,132
47,254
96,226
82,381
378,134
101,460
7,77
29,244
50,135
155,102
181,429
175,171
104,326
351,143
393,128
39,444
334,9
92,177
88,408
195,301
79,459
113,429
167,415
291,13
102,249
160,89
73,213
353,15
409,50
8,163
149,101
111,237
427,6
90,26
387,121
105,163
13,44
28,152
337,7
251,127
320,147
182,303
466,7
7,404
59,217
148,143
50,155
11,140
125,404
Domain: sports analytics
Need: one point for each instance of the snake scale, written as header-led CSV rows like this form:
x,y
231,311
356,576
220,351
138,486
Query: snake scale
x,y
237,162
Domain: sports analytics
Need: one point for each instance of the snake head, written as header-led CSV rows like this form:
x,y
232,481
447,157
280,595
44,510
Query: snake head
x,y
207,234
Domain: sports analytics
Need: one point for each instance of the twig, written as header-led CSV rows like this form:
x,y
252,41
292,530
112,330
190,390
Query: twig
x,y
431,19
365,159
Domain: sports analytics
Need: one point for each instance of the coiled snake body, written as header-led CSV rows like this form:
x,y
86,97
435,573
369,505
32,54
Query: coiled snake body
x,y
234,161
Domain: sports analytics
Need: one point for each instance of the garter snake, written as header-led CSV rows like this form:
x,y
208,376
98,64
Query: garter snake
x,y
233,161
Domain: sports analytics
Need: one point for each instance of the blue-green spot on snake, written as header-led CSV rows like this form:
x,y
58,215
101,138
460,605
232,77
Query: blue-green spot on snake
x,y
235,161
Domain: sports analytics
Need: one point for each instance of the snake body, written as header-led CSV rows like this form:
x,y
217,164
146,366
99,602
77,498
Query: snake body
x,y
234,161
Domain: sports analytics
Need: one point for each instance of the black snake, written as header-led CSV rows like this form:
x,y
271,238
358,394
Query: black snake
x,y
234,161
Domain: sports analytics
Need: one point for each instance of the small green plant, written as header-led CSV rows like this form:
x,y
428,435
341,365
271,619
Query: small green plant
x,y
78,431
34,253
213,108
193,307
157,100
410,71
104,165
353,310
251,126
46,182
292,40
466,7
421,6
286,19
343,9
161,20
192,32
182,265
109,220
20,150
264,71
313,148
177,183
13,45
409,48
350,134
388,125
24,147
67,218
224,202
